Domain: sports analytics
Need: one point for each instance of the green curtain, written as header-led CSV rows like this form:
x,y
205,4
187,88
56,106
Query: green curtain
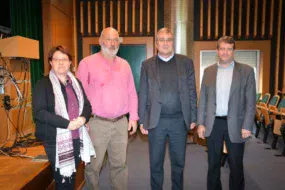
x,y
26,21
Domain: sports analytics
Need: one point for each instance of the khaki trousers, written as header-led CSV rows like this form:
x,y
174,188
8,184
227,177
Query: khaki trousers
x,y
113,138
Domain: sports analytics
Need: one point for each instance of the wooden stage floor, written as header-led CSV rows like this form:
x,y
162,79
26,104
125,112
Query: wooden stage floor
x,y
24,173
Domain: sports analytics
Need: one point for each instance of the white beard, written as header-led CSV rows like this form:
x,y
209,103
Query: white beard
x,y
109,52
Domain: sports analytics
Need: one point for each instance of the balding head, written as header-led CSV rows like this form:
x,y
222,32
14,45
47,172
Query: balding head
x,y
109,42
108,32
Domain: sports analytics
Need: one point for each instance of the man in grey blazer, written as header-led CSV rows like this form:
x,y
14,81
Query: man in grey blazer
x,y
226,113
167,108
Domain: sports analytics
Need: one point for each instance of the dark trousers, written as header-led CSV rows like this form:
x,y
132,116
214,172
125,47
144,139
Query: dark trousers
x,y
174,130
69,182
235,158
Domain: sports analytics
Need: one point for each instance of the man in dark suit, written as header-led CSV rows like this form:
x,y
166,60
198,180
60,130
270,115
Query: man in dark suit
x,y
167,108
226,113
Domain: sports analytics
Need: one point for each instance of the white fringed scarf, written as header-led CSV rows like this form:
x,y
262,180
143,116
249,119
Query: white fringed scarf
x,y
64,160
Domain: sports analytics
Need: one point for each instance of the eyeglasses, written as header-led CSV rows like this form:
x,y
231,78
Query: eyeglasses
x,y
109,40
57,60
162,40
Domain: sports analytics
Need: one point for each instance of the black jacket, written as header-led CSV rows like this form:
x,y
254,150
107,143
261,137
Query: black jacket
x,y
150,89
46,120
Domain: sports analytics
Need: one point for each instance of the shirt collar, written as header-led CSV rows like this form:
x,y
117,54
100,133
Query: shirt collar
x,y
165,59
229,67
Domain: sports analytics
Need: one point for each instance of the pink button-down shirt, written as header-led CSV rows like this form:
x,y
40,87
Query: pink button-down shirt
x,y
110,88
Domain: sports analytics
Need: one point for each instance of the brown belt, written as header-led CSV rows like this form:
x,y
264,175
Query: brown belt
x,y
107,119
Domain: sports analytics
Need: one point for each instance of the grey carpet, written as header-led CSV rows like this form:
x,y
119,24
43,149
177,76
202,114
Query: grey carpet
x,y
263,171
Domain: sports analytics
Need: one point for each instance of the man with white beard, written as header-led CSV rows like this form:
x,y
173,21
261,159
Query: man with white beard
x,y
109,85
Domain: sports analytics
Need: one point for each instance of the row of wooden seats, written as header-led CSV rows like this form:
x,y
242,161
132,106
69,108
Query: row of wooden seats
x,y
270,115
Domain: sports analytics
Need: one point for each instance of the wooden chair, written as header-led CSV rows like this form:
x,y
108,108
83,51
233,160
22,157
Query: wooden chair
x,y
258,96
267,115
258,115
279,120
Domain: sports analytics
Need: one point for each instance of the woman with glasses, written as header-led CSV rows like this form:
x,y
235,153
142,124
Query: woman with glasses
x,y
61,110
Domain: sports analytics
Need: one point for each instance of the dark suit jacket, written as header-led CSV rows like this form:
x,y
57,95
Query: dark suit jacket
x,y
149,94
241,107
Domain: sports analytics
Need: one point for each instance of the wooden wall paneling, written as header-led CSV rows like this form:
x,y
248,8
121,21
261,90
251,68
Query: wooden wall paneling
x,y
232,18
65,6
137,17
115,13
111,13
247,18
85,18
217,19
130,18
155,17
213,19
134,16
75,29
161,20
100,16
239,18
58,27
201,18
103,15
152,17
126,17
89,17
107,13
283,46
119,16
205,21
148,16
283,88
92,15
278,45
141,17
224,17
274,48
62,25
123,10
78,30
228,18
236,19
81,18
209,20
255,18
96,18
47,34
259,20
271,17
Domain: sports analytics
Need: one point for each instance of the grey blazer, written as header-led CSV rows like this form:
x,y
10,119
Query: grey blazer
x,y
149,94
241,106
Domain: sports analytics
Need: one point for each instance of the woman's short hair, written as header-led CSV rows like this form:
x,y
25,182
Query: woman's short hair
x,y
60,48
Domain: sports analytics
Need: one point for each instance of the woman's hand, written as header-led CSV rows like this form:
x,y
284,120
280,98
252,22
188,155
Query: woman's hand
x,y
76,123
73,125
80,121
